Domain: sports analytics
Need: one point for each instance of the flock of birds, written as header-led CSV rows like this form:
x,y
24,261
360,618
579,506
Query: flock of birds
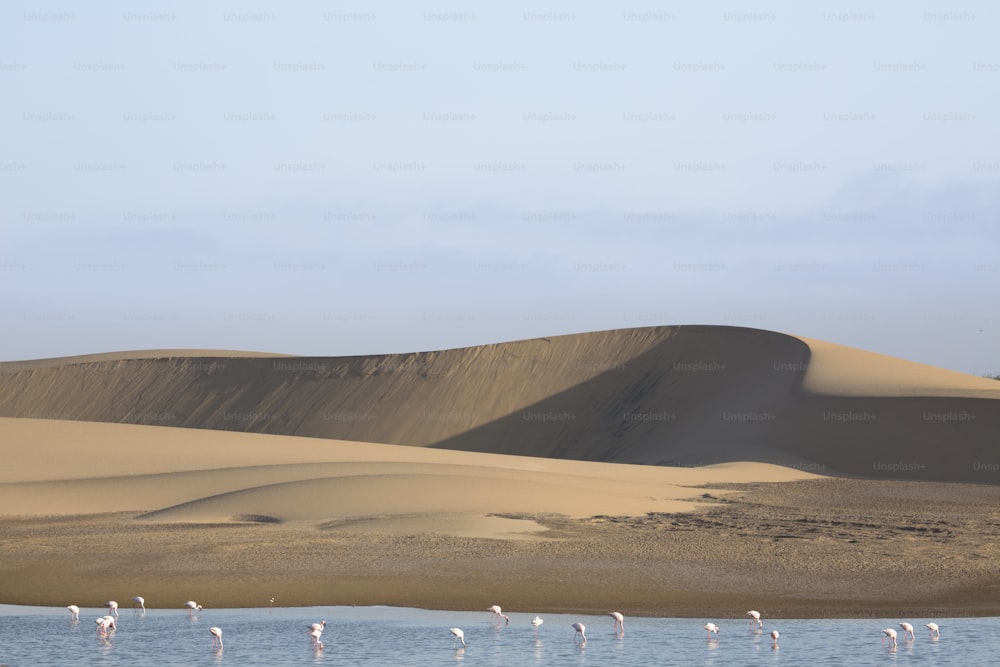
x,y
107,624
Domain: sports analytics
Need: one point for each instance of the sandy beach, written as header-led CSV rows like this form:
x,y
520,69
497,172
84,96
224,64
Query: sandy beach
x,y
128,475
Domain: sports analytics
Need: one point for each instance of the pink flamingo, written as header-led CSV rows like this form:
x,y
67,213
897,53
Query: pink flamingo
x,y
459,636
581,632
316,631
105,624
113,607
712,627
192,607
907,630
889,633
619,625
935,631
774,639
755,618
74,612
499,613
216,636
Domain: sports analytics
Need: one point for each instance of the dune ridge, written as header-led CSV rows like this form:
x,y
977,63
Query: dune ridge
x,y
676,396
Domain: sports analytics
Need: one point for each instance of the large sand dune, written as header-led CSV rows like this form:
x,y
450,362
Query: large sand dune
x,y
687,395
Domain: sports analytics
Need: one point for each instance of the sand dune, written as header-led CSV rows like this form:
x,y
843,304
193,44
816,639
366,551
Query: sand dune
x,y
683,396
186,476
92,511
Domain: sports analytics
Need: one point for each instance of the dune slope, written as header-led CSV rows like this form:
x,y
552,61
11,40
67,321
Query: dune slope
x,y
686,395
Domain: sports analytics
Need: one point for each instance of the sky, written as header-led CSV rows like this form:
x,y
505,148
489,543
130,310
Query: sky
x,y
340,178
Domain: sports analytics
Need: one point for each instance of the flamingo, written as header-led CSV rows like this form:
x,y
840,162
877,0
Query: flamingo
x,y
712,627
619,625
139,602
216,635
774,639
907,630
316,631
581,631
536,621
935,631
74,612
755,618
192,607
113,606
499,613
105,624
459,636
889,633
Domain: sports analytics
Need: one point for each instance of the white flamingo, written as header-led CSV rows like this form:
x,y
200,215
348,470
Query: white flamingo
x,y
755,618
536,621
907,630
499,613
192,607
316,631
889,633
105,624
113,607
712,627
139,602
935,631
581,632
459,636
619,625
74,612
216,635
774,639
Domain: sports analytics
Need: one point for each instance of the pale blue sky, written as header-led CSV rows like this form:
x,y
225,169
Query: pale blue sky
x,y
332,178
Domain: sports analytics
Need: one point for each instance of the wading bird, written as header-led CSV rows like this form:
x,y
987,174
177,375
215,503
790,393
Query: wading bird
x,y
536,621
581,632
774,639
192,606
139,602
619,625
113,607
74,612
216,635
316,631
935,631
105,624
889,633
907,630
459,636
712,627
495,609
755,618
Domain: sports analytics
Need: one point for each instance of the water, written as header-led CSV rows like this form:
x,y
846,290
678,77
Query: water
x,y
397,636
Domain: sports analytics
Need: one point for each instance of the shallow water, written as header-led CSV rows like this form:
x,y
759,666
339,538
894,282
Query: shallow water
x,y
397,636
